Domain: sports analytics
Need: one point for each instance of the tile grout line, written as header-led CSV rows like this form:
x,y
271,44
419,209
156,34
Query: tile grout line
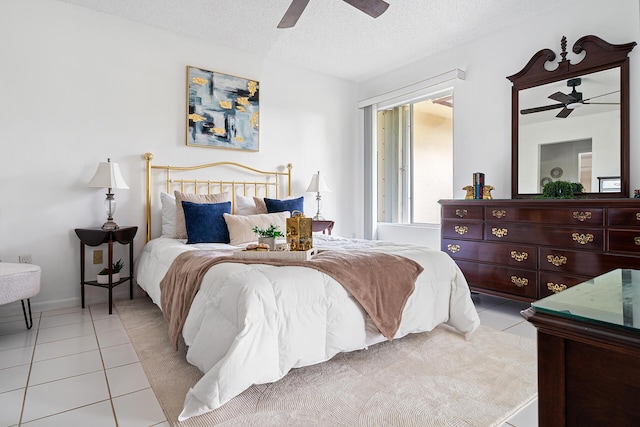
x,y
26,386
104,369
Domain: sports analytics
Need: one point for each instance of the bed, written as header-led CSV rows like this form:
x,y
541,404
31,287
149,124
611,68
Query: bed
x,y
251,322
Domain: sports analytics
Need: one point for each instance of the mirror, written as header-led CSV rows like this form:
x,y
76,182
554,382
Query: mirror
x,y
572,123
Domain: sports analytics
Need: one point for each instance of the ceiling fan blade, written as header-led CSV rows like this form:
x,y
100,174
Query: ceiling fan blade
x,y
544,108
292,14
373,8
564,113
562,97
604,94
602,103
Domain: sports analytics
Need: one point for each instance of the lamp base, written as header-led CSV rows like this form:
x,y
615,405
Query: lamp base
x,y
318,217
110,225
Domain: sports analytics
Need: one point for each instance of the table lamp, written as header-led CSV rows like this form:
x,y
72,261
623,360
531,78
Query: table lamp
x,y
108,176
318,185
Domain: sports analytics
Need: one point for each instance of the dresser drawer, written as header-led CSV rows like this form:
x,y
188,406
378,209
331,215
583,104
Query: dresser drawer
x,y
624,241
513,255
552,283
462,212
568,216
627,217
533,234
452,228
506,280
562,261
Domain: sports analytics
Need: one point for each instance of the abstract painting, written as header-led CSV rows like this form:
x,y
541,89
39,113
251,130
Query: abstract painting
x,y
223,110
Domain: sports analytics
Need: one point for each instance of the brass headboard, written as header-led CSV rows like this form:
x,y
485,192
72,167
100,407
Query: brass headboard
x,y
261,182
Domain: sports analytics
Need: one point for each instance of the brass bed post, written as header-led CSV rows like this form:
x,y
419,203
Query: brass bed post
x,y
148,157
289,167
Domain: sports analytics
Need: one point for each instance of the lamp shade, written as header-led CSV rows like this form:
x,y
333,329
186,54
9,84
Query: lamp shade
x,y
108,176
317,184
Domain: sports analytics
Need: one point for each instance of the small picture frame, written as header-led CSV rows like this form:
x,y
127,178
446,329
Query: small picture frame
x,y
609,184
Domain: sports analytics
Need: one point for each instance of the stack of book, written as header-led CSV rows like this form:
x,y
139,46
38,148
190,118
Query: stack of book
x,y
478,185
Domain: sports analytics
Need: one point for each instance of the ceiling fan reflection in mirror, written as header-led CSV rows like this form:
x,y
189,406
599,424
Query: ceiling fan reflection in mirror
x,y
373,8
569,102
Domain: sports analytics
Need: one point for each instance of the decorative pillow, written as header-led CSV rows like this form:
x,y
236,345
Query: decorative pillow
x,y
181,230
168,203
245,206
275,205
241,226
204,222
261,208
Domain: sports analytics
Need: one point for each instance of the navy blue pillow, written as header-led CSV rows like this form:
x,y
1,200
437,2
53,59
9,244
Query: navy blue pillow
x,y
276,205
205,223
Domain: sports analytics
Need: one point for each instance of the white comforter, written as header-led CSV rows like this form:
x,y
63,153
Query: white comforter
x,y
250,324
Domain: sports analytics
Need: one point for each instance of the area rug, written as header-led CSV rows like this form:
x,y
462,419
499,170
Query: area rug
x,y
433,378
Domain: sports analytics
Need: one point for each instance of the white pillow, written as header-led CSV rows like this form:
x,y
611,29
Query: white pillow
x,y
181,228
168,214
245,205
241,226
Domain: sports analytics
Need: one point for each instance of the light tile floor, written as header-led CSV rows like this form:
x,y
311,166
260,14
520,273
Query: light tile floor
x,y
76,367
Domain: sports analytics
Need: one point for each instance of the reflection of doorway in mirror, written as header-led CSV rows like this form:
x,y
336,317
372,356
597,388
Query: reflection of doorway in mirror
x,y
584,166
566,157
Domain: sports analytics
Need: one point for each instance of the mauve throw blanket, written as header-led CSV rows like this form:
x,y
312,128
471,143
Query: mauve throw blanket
x,y
380,282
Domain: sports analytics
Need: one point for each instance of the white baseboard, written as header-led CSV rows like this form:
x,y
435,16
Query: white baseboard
x,y
98,296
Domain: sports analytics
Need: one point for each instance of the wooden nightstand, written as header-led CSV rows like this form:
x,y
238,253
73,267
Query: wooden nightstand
x,y
324,225
97,236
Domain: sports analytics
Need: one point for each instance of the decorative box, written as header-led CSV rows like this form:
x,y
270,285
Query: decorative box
x,y
299,232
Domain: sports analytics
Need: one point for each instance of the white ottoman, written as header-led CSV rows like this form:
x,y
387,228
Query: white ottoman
x,y
19,282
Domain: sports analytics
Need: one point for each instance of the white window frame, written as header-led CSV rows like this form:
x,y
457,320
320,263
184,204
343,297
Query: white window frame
x,y
428,88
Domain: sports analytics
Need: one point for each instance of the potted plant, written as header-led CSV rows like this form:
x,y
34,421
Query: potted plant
x,y
268,235
561,190
103,275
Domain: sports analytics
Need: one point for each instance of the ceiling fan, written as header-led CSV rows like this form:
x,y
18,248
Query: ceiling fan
x,y
569,102
373,8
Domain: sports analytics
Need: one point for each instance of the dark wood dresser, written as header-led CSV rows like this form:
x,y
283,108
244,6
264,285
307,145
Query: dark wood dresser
x,y
528,249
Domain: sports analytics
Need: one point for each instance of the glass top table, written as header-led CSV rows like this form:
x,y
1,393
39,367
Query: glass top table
x,y
612,299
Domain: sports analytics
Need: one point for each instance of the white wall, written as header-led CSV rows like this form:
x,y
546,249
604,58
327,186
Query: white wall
x,y
482,112
78,86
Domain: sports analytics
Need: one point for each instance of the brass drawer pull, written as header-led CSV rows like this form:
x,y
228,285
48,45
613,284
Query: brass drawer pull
x,y
453,248
638,216
499,213
555,288
519,281
582,216
461,229
636,240
519,256
461,212
499,232
583,239
556,260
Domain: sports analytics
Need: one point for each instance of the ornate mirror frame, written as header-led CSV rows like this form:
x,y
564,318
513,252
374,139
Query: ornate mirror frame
x,y
599,56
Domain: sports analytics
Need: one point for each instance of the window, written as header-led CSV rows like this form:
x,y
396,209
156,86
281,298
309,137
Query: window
x,y
415,160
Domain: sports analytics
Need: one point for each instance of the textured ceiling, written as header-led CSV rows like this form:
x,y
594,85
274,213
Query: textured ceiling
x,y
331,36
